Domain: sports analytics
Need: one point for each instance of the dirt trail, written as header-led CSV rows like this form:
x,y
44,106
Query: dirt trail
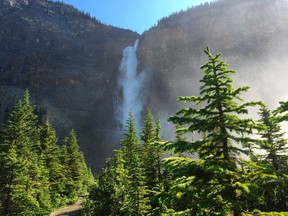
x,y
71,210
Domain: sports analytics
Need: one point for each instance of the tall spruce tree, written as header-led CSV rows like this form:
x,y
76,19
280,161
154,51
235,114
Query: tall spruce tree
x,y
50,154
24,183
273,161
136,191
75,166
102,197
151,156
159,151
212,184
121,188
149,152
273,139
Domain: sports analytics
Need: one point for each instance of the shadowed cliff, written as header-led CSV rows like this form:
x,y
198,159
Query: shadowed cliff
x,y
69,62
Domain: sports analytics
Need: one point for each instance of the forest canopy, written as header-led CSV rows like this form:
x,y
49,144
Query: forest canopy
x,y
221,162
228,177
37,174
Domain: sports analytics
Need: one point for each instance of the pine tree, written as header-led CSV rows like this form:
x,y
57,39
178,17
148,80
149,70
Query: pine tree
x,y
23,176
136,190
50,154
76,168
159,152
149,152
121,186
212,184
109,196
101,199
273,140
120,189
274,172
151,157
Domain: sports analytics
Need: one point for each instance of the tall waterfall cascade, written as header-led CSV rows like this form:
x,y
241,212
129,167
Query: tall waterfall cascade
x,y
130,83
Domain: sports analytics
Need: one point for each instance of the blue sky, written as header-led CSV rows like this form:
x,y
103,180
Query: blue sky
x,y
137,15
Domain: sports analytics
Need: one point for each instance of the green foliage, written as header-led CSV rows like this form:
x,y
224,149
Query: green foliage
x,y
31,172
150,153
127,182
23,177
50,154
273,140
212,184
102,195
266,213
273,160
151,157
76,172
136,189
206,175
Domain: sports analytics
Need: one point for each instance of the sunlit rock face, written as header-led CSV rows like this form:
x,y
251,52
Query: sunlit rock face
x,y
71,63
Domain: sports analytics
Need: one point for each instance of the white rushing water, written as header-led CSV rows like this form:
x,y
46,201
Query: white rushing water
x,y
128,97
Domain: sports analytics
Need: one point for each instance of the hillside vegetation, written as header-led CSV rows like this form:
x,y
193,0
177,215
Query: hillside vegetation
x,y
36,173
241,165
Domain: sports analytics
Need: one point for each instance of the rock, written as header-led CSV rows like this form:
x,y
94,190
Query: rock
x,y
69,62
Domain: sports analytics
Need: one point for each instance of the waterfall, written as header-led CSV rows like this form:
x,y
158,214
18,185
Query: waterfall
x,y
129,86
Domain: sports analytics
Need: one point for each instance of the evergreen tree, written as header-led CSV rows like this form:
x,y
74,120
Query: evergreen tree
x,y
120,189
151,157
159,152
109,196
273,178
101,199
121,186
149,153
50,153
273,140
136,190
75,166
212,184
23,176
32,177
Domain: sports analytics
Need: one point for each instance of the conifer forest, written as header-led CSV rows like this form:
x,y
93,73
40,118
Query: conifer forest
x,y
221,161
120,122
36,174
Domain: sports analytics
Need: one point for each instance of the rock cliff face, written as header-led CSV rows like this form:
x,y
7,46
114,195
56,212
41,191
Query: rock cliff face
x,y
70,62
251,35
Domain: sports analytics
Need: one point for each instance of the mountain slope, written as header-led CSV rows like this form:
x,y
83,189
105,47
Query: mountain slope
x,y
251,35
69,62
